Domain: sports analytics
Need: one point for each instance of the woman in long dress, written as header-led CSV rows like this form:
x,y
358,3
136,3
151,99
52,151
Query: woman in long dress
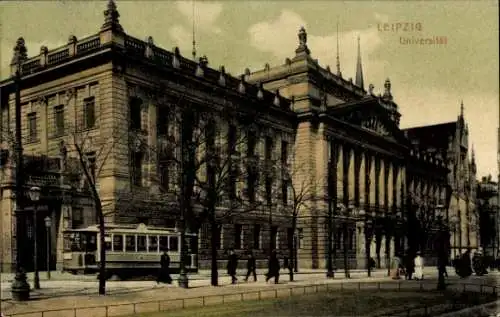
x,y
419,267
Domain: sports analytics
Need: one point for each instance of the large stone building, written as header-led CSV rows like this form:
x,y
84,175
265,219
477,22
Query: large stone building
x,y
488,213
450,141
300,123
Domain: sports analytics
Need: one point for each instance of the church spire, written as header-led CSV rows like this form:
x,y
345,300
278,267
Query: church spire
x,y
359,69
111,18
339,73
462,108
473,155
194,37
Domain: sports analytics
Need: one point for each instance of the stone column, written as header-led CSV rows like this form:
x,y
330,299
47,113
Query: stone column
x,y
390,187
351,183
340,174
381,184
373,180
362,180
360,245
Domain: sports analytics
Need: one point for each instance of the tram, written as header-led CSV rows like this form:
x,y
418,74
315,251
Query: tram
x,y
130,250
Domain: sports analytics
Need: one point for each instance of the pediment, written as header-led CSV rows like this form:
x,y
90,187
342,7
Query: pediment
x,y
375,124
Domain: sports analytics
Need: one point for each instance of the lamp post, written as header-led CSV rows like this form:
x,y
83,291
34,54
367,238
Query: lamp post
x,y
35,197
20,287
48,224
442,248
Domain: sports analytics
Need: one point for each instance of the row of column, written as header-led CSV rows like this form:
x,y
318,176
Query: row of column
x,y
365,178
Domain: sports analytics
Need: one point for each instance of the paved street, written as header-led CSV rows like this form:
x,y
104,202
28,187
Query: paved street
x,y
77,293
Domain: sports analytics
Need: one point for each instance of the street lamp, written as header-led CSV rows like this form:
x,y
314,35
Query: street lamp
x,y
454,228
35,197
48,224
20,287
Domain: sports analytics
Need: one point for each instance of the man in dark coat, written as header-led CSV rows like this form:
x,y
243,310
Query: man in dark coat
x,y
232,264
274,268
251,265
164,274
409,265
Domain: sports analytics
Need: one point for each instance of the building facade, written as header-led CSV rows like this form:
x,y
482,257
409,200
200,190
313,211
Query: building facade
x,y
488,214
120,104
450,141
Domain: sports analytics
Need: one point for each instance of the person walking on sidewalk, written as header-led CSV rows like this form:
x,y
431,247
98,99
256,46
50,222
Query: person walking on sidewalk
x,y
419,267
409,265
251,266
232,264
164,273
273,267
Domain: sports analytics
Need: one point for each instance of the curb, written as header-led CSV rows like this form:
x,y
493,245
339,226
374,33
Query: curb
x,y
480,310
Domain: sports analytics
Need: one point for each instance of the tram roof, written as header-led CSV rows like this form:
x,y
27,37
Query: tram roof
x,y
113,228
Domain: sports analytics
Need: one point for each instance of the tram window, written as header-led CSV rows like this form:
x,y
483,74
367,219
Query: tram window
x,y
153,244
141,243
130,243
107,242
117,243
174,244
163,243
91,242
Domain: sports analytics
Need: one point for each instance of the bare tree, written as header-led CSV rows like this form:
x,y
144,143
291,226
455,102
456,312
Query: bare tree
x,y
205,164
298,194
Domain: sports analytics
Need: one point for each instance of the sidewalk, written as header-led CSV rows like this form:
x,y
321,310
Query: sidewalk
x,y
119,294
202,274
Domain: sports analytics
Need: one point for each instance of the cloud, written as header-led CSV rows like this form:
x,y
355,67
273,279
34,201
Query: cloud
x,y
279,37
381,17
206,14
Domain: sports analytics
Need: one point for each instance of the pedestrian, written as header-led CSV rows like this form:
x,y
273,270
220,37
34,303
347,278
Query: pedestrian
x,y
396,268
232,264
419,267
409,265
164,273
251,266
273,267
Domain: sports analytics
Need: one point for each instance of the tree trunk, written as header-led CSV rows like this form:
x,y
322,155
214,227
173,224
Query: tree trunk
x,y
214,277
346,245
367,252
102,254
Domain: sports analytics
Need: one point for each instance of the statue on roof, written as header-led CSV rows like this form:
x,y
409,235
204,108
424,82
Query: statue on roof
x,y
302,36
20,52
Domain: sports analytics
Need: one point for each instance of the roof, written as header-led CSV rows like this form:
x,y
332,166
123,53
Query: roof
x,y
432,135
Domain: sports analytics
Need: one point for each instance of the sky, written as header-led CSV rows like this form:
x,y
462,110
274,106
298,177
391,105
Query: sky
x,y
428,81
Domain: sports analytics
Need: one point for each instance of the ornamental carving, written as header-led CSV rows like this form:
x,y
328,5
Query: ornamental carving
x,y
375,125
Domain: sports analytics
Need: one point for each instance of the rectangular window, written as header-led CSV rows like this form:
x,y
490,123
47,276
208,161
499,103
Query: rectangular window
x,y
251,180
284,152
130,243
135,113
274,237
108,242
117,243
238,230
231,139
89,112
284,192
77,217
153,244
136,168
162,121
251,143
32,133
269,190
163,243
164,176
232,183
59,120
141,243
174,243
256,237
269,149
